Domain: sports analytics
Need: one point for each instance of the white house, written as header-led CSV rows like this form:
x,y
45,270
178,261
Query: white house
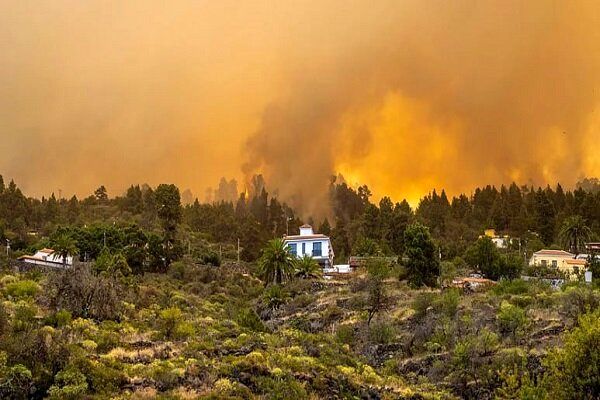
x,y
47,258
501,242
316,245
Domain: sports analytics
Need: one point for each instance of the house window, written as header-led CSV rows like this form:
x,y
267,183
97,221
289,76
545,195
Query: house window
x,y
554,264
303,248
544,263
317,252
292,248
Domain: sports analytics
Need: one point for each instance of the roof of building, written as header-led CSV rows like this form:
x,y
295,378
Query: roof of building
x,y
51,260
306,226
45,250
576,262
301,237
545,252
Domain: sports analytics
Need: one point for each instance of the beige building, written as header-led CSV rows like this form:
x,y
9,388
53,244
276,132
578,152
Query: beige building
x,y
562,260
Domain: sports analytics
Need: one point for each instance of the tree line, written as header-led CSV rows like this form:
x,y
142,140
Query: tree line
x,y
155,221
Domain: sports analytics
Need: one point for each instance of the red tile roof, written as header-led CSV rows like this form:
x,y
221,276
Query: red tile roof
x,y
553,253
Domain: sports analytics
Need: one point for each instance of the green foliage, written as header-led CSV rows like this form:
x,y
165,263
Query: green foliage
x,y
423,262
247,318
308,268
70,383
377,271
16,381
573,372
484,256
22,289
447,303
574,233
170,319
274,296
64,245
381,332
276,263
421,304
511,319
366,247
3,319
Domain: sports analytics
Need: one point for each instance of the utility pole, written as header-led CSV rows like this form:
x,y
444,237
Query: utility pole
x,y
238,252
104,239
7,247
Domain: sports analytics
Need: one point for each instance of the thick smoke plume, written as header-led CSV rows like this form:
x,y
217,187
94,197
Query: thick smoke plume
x,y
443,94
404,96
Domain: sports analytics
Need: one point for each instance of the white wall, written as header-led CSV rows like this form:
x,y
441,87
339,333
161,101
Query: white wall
x,y
309,246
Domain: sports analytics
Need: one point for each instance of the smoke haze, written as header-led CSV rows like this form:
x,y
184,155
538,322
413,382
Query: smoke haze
x,y
404,96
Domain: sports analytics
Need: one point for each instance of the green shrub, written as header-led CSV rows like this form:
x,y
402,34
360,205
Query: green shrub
x,y
576,301
70,383
447,303
3,319
63,318
247,318
15,382
511,319
514,287
421,303
170,319
286,388
346,334
211,258
275,296
573,372
21,289
381,332
177,270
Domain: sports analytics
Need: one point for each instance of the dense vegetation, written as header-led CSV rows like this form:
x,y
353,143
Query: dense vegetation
x,y
160,307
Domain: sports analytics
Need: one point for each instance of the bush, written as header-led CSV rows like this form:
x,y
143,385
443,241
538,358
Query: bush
x,y
577,301
70,383
422,303
381,332
247,318
15,382
21,289
346,334
211,258
573,372
275,296
516,286
448,302
3,319
84,294
170,319
511,319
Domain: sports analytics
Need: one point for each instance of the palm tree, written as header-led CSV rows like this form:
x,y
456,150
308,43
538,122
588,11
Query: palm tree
x,y
574,233
307,268
64,246
276,263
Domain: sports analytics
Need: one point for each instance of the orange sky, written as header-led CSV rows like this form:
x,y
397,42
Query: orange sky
x,y
404,96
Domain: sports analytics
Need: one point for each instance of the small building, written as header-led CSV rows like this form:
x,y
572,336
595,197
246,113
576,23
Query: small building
x,y
47,258
561,260
316,245
593,247
501,242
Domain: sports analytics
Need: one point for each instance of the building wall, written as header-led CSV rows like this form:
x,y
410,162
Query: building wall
x,y
559,262
309,247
